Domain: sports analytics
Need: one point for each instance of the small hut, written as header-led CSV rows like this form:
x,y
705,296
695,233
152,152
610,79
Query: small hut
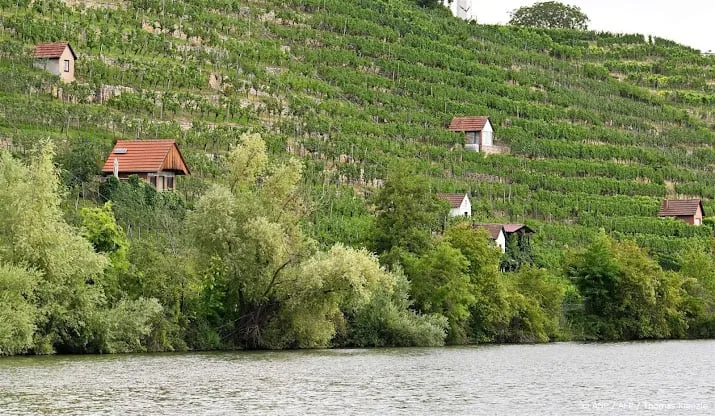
x,y
478,131
157,162
57,58
688,210
459,204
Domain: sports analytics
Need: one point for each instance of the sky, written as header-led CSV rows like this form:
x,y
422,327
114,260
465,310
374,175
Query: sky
x,y
690,22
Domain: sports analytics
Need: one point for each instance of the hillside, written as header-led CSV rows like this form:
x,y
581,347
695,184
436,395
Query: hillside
x,y
599,127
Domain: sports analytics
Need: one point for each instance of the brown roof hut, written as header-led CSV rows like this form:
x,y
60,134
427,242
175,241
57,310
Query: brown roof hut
x,y
157,162
57,58
688,210
478,131
459,204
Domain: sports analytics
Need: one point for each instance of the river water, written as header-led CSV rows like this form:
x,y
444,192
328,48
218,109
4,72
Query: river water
x,y
671,377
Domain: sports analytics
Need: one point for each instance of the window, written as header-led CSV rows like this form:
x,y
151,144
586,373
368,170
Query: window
x,y
169,182
152,180
67,65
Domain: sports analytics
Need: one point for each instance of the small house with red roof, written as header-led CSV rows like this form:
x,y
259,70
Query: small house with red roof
x,y
688,210
478,131
57,58
157,162
459,204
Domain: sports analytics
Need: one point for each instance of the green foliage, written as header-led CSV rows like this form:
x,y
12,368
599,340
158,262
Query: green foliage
x,y
537,298
698,271
18,312
441,285
429,3
265,282
517,253
388,321
61,304
489,310
101,229
34,233
550,14
406,212
626,295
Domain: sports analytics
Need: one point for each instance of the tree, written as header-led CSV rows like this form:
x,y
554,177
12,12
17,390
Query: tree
x,y
626,294
550,15
247,233
536,299
17,311
35,234
388,320
441,285
698,271
265,283
489,312
407,212
46,261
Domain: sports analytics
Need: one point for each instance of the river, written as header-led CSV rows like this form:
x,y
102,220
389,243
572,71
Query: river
x,y
669,377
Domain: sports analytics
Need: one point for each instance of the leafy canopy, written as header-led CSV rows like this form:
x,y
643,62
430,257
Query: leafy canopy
x,y
550,15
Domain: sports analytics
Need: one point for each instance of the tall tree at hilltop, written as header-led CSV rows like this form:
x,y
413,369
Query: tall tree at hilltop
x,y
550,15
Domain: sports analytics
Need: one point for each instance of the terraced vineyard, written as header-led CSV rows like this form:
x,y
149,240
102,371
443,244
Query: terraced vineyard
x,y
600,127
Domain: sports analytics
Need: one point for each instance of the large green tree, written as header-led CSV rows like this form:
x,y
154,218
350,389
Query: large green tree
x,y
441,285
698,271
63,276
265,283
489,311
626,295
407,212
551,15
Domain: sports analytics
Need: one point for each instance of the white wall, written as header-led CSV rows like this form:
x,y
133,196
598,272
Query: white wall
x,y
487,134
465,207
501,241
464,9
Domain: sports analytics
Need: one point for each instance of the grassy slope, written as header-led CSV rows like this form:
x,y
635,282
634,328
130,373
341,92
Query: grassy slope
x,y
600,126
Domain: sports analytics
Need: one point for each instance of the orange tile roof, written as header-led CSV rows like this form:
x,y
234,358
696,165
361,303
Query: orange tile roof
x,y
52,50
680,207
468,123
455,200
140,156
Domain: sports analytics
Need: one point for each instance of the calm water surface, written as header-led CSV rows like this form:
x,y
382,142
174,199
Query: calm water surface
x,y
625,378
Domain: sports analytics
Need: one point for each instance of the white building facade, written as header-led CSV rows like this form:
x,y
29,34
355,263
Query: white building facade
x,y
464,9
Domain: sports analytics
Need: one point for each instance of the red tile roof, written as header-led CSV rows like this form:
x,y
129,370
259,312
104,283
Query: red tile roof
x,y
512,228
680,207
455,200
493,229
142,156
468,123
52,50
